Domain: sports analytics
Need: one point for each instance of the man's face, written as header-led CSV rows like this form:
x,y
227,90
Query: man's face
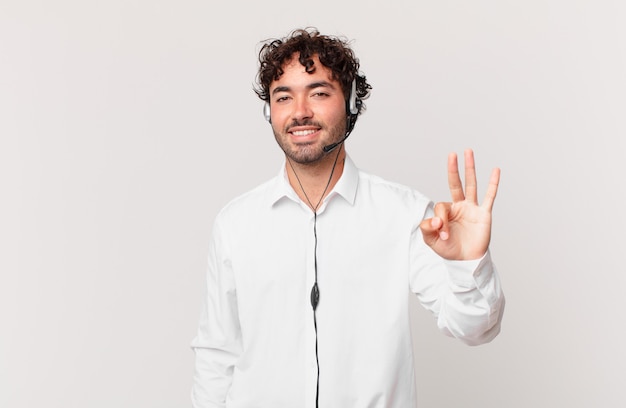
x,y
308,111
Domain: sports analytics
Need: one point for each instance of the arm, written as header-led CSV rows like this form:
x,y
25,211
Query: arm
x,y
217,344
453,273
464,296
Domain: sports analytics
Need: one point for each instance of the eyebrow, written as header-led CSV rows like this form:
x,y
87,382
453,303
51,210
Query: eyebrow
x,y
313,85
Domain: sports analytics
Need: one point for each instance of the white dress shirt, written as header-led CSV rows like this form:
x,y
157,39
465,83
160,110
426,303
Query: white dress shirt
x,y
255,346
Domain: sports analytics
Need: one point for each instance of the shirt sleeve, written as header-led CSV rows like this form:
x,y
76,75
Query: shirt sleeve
x,y
217,344
464,296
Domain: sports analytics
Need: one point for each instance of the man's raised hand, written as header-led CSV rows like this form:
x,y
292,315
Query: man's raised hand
x,y
461,229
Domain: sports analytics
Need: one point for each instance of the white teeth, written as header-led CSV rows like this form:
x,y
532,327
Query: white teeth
x,y
303,132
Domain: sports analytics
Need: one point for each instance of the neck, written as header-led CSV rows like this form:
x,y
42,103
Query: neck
x,y
312,182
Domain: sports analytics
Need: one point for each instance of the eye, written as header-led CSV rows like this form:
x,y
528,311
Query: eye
x,y
320,94
282,99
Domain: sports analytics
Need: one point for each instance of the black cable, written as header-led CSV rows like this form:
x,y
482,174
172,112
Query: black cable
x,y
315,297
315,292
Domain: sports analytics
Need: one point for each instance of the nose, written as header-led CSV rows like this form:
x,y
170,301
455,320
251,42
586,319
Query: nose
x,y
302,109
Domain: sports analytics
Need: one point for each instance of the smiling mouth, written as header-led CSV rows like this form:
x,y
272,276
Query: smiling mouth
x,y
301,133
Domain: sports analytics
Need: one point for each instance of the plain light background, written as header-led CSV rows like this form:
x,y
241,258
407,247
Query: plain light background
x,y
126,125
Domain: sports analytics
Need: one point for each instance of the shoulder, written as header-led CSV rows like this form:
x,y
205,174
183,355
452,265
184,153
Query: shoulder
x,y
381,188
390,203
249,202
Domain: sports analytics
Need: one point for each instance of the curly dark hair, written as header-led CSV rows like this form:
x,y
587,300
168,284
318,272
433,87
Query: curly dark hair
x,y
333,52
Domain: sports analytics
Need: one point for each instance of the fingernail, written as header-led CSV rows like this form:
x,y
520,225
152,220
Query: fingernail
x,y
443,235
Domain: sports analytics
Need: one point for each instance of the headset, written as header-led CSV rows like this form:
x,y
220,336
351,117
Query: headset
x,y
353,105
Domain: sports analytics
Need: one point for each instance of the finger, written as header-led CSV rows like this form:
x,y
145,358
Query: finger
x,y
440,220
454,180
492,189
430,234
431,225
431,230
471,193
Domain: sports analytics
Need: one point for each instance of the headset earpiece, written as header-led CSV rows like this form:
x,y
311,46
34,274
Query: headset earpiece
x,y
267,112
353,102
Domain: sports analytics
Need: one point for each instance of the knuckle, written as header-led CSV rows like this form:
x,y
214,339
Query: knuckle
x,y
441,206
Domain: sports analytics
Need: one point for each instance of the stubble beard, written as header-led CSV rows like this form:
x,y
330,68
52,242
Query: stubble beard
x,y
308,153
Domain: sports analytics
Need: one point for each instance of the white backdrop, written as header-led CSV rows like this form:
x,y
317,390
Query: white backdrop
x,y
126,125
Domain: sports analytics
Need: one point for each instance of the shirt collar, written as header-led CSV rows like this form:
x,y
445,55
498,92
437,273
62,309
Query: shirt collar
x,y
346,186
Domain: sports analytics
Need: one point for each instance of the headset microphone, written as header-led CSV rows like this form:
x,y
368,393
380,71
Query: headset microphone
x,y
331,147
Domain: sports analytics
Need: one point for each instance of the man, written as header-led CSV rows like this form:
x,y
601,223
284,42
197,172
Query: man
x,y
309,274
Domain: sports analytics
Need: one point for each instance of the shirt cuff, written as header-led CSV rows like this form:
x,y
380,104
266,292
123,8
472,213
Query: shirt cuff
x,y
470,274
